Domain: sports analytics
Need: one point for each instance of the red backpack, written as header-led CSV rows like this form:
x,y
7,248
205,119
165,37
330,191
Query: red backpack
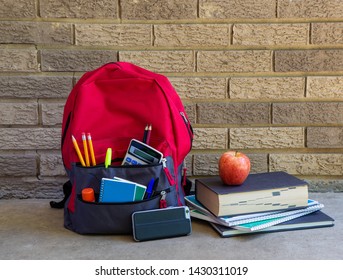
x,y
115,103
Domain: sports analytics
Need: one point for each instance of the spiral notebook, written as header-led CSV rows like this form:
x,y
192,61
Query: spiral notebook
x,y
116,190
140,189
200,212
272,221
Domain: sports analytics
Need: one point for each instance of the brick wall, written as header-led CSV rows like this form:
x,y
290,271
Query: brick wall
x,y
261,76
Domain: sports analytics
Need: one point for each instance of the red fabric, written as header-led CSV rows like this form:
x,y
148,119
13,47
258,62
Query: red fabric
x,y
114,103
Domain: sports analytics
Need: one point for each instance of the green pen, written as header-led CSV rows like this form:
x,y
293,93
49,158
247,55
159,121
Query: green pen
x,y
108,158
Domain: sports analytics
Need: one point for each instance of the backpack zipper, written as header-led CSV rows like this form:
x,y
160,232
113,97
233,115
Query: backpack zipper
x,y
170,178
188,126
163,202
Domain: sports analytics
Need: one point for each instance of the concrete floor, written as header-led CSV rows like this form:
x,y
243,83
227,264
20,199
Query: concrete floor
x,y
30,229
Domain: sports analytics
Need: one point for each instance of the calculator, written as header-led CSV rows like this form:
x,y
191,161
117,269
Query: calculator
x,y
140,153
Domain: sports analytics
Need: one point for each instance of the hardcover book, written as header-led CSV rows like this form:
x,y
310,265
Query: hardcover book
x,y
260,192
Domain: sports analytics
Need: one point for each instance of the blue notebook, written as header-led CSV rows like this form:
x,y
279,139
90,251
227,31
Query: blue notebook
x,y
116,191
140,189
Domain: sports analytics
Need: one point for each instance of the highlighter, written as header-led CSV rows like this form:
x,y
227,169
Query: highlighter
x,y
108,158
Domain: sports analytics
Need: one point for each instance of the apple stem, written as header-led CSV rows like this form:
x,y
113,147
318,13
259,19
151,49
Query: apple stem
x,y
236,154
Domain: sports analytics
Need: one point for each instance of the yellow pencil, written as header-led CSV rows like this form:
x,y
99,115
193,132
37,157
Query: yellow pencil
x,y
85,148
77,149
91,149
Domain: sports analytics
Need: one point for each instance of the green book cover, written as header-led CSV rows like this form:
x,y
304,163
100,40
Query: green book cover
x,y
140,192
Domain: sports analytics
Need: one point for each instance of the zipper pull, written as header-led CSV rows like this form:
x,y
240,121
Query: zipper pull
x,y
163,202
167,172
164,160
184,117
188,125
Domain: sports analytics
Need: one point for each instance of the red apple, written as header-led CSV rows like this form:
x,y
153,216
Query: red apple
x,y
234,168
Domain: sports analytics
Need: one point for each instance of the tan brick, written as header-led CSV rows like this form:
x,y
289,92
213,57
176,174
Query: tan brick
x,y
325,185
327,33
207,164
199,87
308,60
32,187
310,9
161,61
308,113
18,164
18,9
210,138
35,86
35,33
235,61
30,138
267,138
307,164
52,113
325,137
19,113
325,87
261,87
237,9
156,10
51,164
78,9
258,162
18,60
270,34
75,60
191,112
117,35
233,113
192,35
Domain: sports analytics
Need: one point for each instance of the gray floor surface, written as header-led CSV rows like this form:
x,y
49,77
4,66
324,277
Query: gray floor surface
x,y
30,229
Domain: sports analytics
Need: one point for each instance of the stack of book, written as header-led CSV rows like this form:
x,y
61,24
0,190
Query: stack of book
x,y
266,202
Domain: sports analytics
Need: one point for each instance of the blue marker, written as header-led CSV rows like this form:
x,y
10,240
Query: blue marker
x,y
150,188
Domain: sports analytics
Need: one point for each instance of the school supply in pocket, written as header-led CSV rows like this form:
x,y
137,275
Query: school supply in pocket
x,y
140,153
119,190
123,121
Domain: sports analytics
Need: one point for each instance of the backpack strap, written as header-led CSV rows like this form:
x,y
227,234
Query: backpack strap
x,y
67,186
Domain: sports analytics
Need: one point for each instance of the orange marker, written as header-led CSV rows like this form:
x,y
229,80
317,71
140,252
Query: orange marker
x,y
91,149
85,148
77,149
